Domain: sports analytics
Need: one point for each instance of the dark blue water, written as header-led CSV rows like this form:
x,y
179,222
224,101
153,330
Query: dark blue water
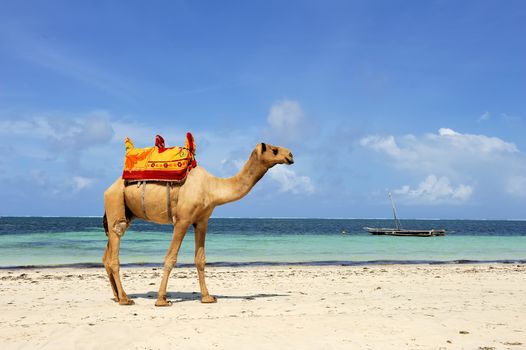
x,y
30,225
65,241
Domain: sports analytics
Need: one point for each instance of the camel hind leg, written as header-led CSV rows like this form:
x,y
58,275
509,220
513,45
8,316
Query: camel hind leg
x,y
105,260
115,224
112,265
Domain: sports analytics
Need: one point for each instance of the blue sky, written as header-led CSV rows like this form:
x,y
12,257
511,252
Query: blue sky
x,y
426,99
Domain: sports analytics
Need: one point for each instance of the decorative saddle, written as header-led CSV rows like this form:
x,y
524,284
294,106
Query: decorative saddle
x,y
159,163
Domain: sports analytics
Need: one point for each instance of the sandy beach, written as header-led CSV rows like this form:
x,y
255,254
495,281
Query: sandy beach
x,y
331,307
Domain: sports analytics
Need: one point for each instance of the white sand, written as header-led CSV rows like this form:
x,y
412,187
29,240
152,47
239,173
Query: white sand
x,y
375,307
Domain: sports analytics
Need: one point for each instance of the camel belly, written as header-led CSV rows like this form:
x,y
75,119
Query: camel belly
x,y
152,201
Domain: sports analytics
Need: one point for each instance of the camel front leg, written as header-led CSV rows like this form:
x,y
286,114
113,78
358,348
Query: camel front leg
x,y
200,260
180,229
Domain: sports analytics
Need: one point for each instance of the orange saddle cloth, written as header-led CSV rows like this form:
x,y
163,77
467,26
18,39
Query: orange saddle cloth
x,y
159,163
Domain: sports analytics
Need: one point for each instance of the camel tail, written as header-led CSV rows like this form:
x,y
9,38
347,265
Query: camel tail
x,y
105,223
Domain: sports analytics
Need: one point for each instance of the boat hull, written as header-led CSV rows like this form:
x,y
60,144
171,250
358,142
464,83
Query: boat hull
x,y
401,232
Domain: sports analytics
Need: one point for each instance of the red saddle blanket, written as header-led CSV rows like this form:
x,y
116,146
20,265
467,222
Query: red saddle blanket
x,y
159,163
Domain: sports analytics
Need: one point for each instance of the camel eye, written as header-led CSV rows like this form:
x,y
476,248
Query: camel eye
x,y
275,151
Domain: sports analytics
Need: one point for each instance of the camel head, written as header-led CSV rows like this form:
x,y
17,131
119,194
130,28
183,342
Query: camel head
x,y
272,155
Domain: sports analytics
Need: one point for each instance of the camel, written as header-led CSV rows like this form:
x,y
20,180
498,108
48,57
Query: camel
x,y
183,204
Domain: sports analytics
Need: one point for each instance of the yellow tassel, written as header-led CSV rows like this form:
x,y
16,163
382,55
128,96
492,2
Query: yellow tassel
x,y
129,144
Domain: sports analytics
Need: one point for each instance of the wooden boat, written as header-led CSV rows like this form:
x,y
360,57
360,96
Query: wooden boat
x,y
402,232
399,231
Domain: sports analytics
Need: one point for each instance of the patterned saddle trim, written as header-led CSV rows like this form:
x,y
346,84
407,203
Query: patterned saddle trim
x,y
159,163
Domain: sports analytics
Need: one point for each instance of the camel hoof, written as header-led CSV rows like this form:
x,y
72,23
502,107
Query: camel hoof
x,y
126,302
163,302
208,299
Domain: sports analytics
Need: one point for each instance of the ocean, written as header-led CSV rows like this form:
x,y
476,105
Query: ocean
x,y
72,241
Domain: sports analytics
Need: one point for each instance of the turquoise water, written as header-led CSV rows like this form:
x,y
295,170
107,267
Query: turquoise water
x,y
65,241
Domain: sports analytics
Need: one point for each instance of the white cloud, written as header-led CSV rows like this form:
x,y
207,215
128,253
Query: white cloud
x,y
62,132
82,133
484,116
287,122
289,181
454,157
445,152
285,115
436,189
383,144
472,143
447,132
80,183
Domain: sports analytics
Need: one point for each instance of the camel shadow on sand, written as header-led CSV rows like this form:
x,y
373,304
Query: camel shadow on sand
x,y
178,297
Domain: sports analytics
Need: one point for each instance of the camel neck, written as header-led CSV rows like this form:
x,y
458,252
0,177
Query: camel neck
x,y
236,187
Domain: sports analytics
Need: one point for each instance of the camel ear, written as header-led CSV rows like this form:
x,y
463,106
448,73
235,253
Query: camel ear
x,y
263,147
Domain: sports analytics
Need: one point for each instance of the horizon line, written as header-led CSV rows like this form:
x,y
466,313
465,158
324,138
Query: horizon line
x,y
279,218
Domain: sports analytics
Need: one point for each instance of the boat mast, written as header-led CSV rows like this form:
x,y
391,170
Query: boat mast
x,y
396,221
